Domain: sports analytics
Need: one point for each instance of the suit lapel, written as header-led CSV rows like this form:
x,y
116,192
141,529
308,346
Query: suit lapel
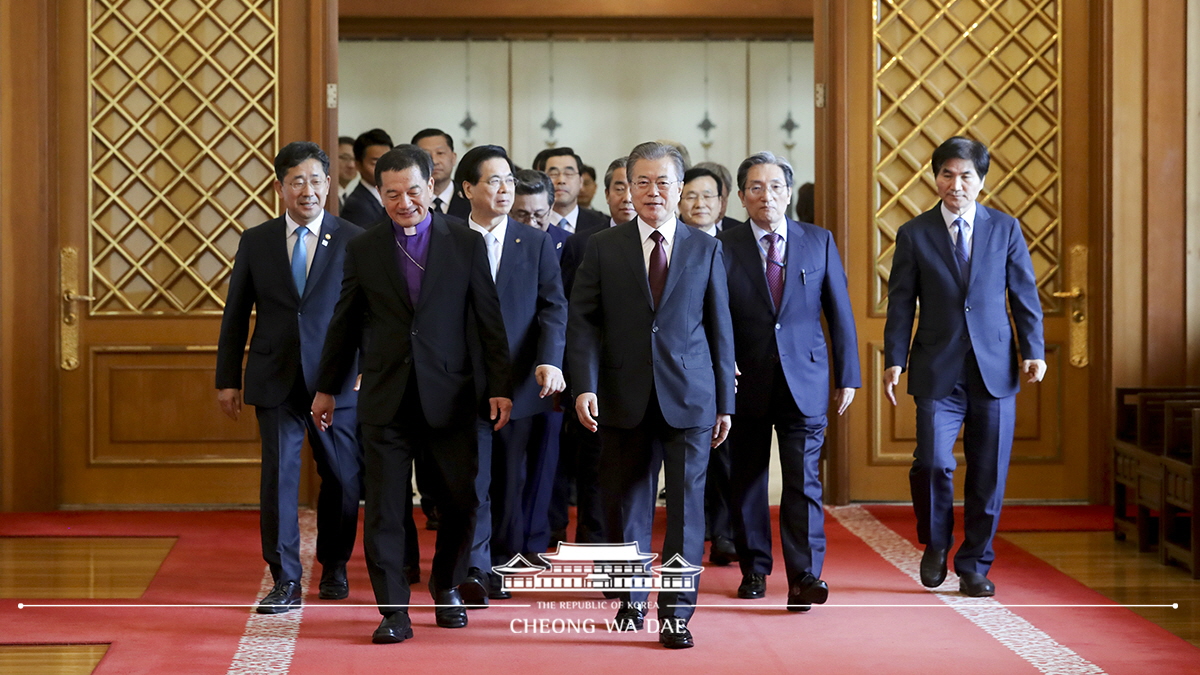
x,y
747,252
678,260
325,237
512,257
634,257
795,265
438,257
387,257
979,239
941,241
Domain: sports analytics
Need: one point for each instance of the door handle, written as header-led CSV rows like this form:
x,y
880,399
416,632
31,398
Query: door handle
x,y
1074,293
68,329
1077,326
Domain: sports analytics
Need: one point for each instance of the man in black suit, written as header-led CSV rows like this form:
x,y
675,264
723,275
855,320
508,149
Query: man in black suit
x,y
289,270
525,267
347,170
533,203
565,168
447,196
651,355
364,206
424,286
783,275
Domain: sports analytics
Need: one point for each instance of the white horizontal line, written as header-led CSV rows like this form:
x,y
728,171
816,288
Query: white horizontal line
x,y
27,605
989,605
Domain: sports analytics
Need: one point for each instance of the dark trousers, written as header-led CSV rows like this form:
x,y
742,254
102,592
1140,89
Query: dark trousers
x,y
987,446
452,458
718,495
801,514
540,468
510,451
629,461
339,464
578,462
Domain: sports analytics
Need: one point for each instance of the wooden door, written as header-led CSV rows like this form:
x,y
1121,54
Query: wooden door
x,y
171,112
1013,74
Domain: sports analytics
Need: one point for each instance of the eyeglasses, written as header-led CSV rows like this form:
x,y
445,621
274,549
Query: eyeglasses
x,y
662,184
759,190
496,181
298,184
565,173
526,216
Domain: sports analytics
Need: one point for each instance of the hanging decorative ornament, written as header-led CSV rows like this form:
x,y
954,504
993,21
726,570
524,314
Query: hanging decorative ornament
x,y
468,124
789,125
551,125
706,125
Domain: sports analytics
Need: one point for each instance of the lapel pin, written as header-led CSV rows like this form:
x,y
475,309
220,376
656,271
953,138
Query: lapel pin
x,y
559,245
518,241
328,236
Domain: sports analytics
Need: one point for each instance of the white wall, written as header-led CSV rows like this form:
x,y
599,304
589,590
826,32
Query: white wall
x,y
608,96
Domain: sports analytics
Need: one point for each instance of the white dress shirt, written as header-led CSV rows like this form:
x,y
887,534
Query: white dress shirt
x,y
668,232
569,221
344,192
445,196
711,230
780,229
968,229
310,239
375,191
494,240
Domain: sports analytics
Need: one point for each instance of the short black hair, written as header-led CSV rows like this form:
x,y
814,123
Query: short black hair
x,y
430,133
700,172
368,138
401,158
468,167
296,153
958,147
544,156
345,140
534,182
589,171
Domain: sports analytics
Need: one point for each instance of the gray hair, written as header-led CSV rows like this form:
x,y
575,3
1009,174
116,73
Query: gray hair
x,y
618,163
652,150
763,157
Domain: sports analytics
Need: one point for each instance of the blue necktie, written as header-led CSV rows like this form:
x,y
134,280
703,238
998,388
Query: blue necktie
x,y
960,250
300,259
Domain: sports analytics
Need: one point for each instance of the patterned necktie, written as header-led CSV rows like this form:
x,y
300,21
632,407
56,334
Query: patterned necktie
x,y
658,267
774,269
300,259
960,249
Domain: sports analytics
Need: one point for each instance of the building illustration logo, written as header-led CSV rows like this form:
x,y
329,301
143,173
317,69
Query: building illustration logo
x,y
598,567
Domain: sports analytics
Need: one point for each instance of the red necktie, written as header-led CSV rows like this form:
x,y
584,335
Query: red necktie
x,y
658,267
774,269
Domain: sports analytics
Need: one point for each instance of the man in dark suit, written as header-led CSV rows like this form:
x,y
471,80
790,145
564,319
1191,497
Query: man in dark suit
x,y
783,275
532,204
565,168
423,285
525,268
289,270
651,355
447,197
961,260
364,206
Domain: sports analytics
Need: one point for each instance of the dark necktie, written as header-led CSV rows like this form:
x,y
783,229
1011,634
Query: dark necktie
x,y
437,204
658,267
774,269
960,249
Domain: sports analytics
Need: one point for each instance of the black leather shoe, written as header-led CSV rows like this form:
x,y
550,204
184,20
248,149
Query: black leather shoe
x,y
450,612
495,586
975,585
474,589
394,628
556,538
754,586
412,574
284,596
675,634
933,567
807,592
722,552
334,585
630,616
432,520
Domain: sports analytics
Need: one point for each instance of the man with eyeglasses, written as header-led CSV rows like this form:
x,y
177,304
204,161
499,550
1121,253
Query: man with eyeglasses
x,y
783,275
289,270
724,222
347,169
565,168
532,205
651,357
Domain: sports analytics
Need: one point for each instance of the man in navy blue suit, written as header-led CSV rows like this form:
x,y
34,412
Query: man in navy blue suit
x,y
524,265
651,355
783,276
962,261
290,271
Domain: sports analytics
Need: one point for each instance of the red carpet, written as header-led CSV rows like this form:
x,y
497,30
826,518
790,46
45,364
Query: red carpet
x,y
1022,518
216,560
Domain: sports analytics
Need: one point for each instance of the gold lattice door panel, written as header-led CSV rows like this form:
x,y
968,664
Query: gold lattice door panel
x,y
986,69
183,119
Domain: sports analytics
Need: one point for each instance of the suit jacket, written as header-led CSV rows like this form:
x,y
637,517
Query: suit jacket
x,y
621,348
590,219
459,207
728,223
573,248
559,237
362,208
430,338
529,284
959,314
290,328
814,283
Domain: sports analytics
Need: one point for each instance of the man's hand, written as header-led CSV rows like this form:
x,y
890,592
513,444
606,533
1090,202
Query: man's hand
x,y
736,374
843,397
550,379
501,409
1034,368
231,402
322,410
720,430
587,410
358,382
891,378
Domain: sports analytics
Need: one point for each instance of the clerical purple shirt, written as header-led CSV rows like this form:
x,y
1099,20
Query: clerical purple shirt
x,y
417,246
